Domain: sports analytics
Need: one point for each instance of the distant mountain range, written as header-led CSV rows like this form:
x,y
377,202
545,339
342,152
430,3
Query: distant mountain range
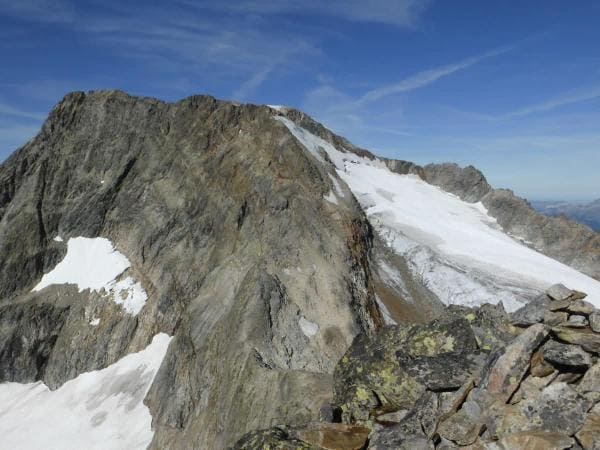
x,y
586,213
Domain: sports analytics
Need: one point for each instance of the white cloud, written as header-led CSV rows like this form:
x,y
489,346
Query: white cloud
x,y
426,77
562,100
7,110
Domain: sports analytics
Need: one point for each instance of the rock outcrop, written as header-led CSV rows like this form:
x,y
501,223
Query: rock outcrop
x,y
437,386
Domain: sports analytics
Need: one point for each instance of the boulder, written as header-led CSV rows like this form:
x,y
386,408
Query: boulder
x,y
587,339
490,324
589,434
538,365
576,321
276,438
504,376
460,428
580,307
559,292
391,370
313,436
334,436
553,318
531,387
532,312
394,438
533,440
443,373
589,386
559,354
561,409
594,319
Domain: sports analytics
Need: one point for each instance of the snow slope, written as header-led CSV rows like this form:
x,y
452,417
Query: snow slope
x,y
455,248
101,410
93,263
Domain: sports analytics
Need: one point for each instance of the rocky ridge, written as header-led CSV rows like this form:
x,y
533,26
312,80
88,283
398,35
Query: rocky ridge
x,y
560,238
586,213
476,379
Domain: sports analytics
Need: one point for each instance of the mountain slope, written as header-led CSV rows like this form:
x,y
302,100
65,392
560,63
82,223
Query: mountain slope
x,y
221,217
255,238
443,237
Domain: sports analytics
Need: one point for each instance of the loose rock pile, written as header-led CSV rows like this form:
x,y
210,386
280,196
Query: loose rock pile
x,y
478,379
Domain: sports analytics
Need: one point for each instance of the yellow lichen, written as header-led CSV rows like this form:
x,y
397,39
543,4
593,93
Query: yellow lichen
x,y
449,344
362,395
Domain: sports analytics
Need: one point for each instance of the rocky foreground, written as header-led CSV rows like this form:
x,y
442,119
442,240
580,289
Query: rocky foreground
x,y
477,379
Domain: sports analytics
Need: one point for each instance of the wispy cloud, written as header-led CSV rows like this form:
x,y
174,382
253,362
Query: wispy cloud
x,y
580,95
426,77
349,115
403,13
184,41
38,10
7,110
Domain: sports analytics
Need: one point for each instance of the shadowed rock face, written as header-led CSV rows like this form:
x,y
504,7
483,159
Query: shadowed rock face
x,y
221,214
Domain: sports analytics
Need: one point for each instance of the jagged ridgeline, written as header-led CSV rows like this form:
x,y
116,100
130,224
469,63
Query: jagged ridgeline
x,y
177,275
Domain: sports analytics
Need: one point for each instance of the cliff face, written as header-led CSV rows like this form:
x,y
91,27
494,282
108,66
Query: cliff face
x,y
220,213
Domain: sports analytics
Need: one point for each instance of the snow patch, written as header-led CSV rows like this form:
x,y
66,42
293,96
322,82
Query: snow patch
x,y
387,317
99,410
95,322
308,328
57,239
331,198
93,263
336,186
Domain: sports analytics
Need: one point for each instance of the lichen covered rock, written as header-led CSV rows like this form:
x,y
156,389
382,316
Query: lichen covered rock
x,y
391,370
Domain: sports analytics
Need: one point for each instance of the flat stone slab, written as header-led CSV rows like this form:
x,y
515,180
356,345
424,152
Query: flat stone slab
x,y
504,377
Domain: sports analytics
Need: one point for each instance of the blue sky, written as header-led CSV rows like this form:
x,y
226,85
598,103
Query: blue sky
x,y
511,87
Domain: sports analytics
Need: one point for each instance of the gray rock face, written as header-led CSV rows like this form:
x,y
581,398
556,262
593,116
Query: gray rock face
x,y
506,373
566,355
216,206
25,347
468,183
533,312
559,292
558,237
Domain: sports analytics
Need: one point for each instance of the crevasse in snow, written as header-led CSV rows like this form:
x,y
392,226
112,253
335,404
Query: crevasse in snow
x,y
455,247
93,263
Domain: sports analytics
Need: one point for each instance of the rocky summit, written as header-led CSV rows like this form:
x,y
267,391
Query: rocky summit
x,y
208,275
440,386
